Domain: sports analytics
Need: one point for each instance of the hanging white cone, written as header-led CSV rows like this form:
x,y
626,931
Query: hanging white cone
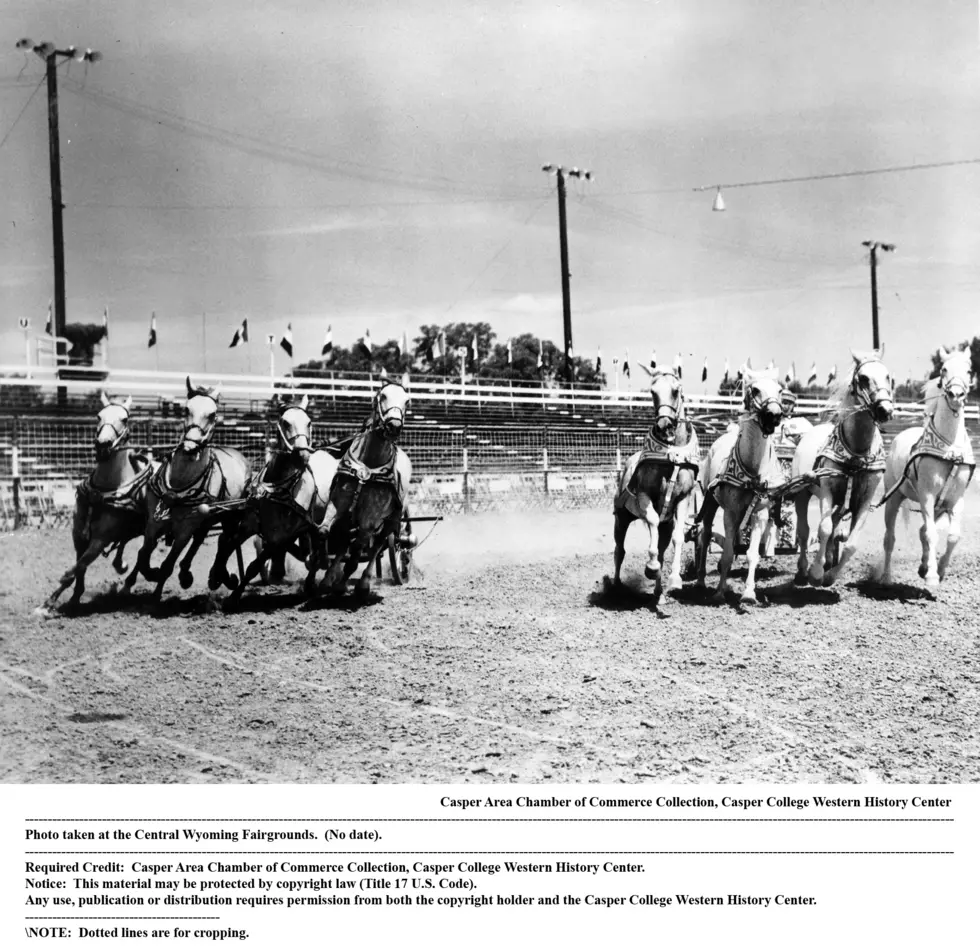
x,y
719,202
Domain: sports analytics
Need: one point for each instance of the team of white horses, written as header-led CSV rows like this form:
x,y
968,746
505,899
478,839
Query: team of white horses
x,y
841,463
336,507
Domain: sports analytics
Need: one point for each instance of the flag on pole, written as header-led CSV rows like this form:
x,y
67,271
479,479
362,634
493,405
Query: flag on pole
x,y
441,351
49,326
833,374
626,365
152,340
476,352
367,347
287,340
653,359
679,366
812,378
327,348
725,379
598,360
772,365
791,373
105,321
241,335
704,370
510,353
404,343
540,353
748,363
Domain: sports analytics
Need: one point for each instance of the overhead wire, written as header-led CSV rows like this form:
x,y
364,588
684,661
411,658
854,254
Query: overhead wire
x,y
13,124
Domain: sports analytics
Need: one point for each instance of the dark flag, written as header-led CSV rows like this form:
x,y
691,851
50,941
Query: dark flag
x,y
152,341
287,340
241,335
327,346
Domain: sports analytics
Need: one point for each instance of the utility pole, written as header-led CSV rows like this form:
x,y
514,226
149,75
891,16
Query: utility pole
x,y
874,247
566,301
50,54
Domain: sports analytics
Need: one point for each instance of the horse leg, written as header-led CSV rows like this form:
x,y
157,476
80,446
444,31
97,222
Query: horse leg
x,y
802,535
167,567
891,513
312,564
142,565
652,520
184,575
708,509
77,573
824,532
621,522
760,523
953,537
929,534
678,528
118,564
727,553
248,575
858,521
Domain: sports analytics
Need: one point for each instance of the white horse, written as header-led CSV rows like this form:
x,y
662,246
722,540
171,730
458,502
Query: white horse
x,y
740,470
933,465
845,460
657,482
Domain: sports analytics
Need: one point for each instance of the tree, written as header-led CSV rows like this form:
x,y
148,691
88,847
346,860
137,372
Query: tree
x,y
455,336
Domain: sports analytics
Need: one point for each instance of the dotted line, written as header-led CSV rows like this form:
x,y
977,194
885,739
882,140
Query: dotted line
x,y
486,820
490,853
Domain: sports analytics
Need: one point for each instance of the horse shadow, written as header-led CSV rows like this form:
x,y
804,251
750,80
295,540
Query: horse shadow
x,y
873,589
799,597
344,602
624,598
111,601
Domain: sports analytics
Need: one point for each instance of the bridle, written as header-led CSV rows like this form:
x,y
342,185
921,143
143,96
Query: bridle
x,y
289,441
668,413
386,418
759,405
121,435
947,383
207,431
868,397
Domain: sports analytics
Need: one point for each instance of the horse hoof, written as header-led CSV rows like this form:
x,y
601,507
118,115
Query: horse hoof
x,y
932,583
231,581
718,598
748,600
829,579
923,571
674,585
122,568
800,579
651,573
186,579
45,612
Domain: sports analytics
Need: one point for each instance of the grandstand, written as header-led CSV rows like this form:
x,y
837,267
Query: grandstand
x,y
473,446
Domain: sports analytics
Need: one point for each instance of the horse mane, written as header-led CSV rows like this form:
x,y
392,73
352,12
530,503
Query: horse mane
x,y
931,391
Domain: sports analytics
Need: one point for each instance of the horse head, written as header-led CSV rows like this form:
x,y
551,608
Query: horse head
x,y
763,399
955,377
668,400
390,406
296,429
112,428
871,384
200,416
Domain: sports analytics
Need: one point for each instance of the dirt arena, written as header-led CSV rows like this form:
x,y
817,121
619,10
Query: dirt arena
x,y
504,661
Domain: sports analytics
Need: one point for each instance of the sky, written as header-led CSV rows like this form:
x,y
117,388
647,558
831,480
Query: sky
x,y
371,165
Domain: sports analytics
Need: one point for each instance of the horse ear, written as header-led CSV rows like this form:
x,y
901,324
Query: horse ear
x,y
190,388
105,398
304,402
215,392
128,404
881,351
943,354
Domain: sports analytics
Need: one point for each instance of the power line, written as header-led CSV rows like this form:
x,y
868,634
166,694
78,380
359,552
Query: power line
x,y
13,124
262,148
337,205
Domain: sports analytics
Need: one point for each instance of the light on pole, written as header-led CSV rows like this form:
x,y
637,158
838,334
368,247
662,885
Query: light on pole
x,y
559,172
50,54
874,247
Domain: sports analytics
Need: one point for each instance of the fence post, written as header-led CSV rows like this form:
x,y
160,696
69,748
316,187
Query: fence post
x,y
15,474
466,477
544,460
619,456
